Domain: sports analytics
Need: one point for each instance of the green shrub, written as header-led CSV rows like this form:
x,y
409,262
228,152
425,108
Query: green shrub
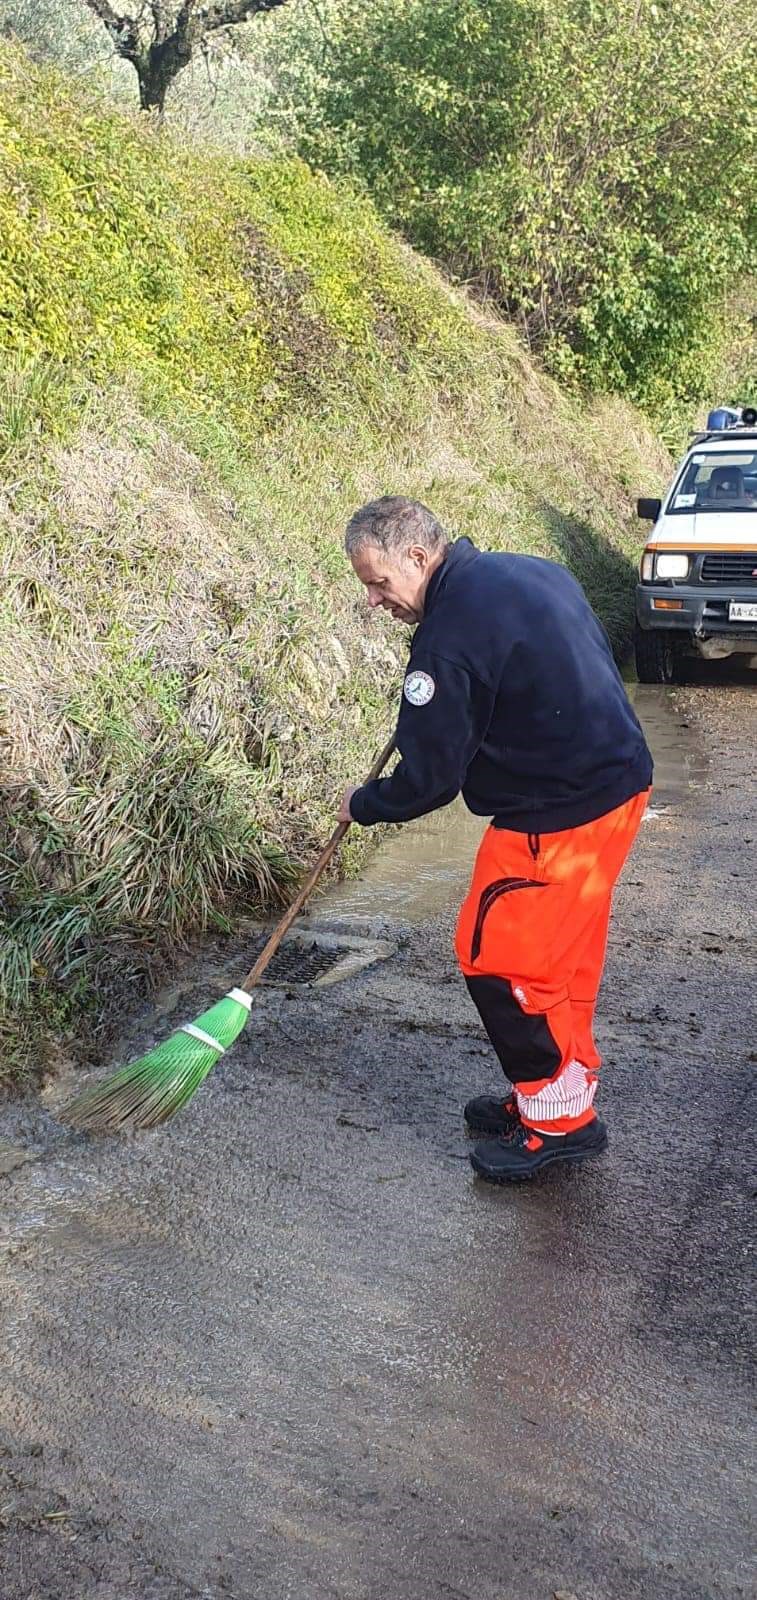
x,y
590,165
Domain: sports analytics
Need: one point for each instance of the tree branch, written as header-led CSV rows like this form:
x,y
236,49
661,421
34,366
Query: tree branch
x,y
104,10
159,19
225,13
123,30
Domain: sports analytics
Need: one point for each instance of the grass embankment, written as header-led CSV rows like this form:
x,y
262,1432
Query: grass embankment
x,y
205,365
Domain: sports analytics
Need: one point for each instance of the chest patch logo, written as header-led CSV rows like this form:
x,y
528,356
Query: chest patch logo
x,y
419,688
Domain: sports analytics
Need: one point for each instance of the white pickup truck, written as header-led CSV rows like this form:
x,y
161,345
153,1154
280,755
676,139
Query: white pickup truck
x,y
697,590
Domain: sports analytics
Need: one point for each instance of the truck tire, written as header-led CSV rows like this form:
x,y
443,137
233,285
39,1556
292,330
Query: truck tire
x,y
657,656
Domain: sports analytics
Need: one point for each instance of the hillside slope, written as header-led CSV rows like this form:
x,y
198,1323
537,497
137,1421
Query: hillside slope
x,y
205,365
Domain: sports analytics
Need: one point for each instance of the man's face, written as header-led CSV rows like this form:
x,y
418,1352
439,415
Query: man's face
x,y
396,582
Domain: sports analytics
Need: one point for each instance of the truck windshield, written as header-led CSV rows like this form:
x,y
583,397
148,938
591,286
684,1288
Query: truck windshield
x,y
717,481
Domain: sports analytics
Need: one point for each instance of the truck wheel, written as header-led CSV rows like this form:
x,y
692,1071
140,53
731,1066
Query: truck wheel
x,y
657,657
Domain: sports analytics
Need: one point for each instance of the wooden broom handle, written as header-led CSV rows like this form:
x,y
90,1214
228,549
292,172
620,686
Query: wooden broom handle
x,y
282,927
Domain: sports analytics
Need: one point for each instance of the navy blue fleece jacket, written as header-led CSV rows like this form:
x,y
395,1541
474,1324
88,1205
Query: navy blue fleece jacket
x,y
513,697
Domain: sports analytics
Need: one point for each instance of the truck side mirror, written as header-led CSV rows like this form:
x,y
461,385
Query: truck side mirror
x,y
648,510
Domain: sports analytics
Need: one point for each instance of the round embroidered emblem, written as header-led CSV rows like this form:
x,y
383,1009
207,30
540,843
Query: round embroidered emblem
x,y
419,688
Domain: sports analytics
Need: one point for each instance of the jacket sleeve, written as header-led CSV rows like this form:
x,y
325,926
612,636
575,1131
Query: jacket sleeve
x,y
444,714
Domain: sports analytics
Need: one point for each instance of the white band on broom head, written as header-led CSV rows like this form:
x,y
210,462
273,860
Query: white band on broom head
x,y
241,996
204,1038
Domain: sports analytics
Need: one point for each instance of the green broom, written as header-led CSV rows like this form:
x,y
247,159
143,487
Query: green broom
x,y
149,1091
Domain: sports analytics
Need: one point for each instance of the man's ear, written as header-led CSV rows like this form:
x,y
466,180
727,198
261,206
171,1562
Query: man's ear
x,y
419,556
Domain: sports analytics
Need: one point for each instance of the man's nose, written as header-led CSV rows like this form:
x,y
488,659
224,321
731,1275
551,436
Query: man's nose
x,y
374,600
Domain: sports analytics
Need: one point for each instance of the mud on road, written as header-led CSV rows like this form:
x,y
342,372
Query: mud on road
x,y
287,1346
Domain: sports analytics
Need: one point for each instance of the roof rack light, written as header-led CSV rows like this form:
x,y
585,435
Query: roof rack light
x,y
725,417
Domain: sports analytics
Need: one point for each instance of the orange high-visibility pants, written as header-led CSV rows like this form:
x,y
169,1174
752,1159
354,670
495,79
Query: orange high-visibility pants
x,y
531,941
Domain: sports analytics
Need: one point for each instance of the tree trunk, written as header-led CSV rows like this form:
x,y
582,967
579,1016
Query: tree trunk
x,y
157,68
152,90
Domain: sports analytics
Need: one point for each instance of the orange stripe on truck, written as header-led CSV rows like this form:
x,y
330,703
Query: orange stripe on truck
x,y
694,547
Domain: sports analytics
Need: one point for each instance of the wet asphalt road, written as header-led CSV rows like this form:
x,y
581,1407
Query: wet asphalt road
x,y
289,1347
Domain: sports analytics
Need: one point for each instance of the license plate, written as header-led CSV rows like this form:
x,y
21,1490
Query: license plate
x,y
742,611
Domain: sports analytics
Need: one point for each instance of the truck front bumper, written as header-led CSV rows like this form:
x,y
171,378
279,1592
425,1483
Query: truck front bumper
x,y
704,612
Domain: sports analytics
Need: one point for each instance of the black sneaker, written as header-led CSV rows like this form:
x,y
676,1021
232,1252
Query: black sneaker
x,y
526,1151
487,1115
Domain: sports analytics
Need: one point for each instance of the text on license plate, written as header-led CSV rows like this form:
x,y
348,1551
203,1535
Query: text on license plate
x,y
742,611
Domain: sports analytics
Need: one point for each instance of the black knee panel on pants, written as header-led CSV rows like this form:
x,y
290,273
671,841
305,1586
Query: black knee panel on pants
x,y
524,1044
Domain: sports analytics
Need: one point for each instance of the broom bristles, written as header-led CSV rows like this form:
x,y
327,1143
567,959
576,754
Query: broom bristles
x,y
154,1088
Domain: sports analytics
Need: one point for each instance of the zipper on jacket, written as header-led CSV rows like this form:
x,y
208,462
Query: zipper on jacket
x,y
534,844
489,898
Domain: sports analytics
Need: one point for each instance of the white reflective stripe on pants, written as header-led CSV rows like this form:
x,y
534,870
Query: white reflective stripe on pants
x,y
569,1095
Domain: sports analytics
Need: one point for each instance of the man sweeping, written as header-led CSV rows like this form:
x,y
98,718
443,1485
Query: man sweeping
x,y
512,697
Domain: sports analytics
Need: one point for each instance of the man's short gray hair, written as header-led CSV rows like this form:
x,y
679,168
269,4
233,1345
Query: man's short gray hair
x,y
393,524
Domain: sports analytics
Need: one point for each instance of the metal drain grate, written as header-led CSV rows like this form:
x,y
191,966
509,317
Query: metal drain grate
x,y
320,958
300,961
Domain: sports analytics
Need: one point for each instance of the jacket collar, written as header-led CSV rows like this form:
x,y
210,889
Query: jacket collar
x,y
458,555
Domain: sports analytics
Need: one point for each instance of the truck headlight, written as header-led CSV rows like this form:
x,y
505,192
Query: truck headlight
x,y
672,565
647,566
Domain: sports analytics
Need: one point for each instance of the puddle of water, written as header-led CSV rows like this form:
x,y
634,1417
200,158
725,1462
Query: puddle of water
x,y
418,871
425,866
679,762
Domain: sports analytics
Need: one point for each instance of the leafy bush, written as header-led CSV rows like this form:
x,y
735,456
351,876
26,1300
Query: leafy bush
x,y
589,163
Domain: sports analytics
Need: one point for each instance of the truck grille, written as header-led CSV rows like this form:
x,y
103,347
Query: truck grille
x,y
730,566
